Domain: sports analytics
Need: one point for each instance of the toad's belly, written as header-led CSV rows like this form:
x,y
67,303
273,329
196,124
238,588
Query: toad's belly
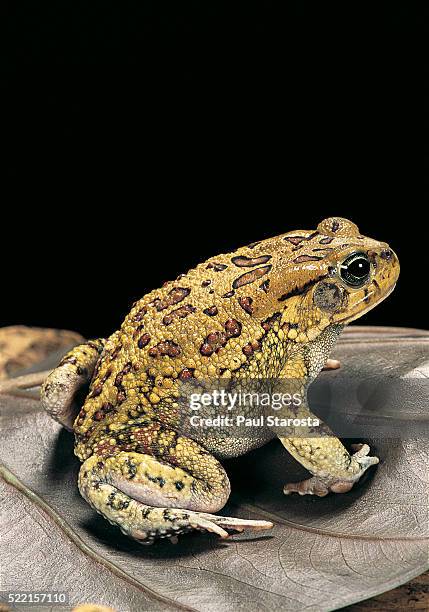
x,y
226,446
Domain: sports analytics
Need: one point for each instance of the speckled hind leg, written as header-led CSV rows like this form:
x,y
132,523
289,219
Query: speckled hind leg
x,y
333,468
150,499
61,388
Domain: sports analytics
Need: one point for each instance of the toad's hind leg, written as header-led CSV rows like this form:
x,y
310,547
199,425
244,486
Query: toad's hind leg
x,y
60,391
148,498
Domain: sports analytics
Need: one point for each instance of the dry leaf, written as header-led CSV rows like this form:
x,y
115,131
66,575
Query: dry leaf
x,y
21,347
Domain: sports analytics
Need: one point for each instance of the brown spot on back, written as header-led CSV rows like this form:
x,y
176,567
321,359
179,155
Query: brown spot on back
x,y
304,258
248,350
246,304
167,347
139,316
186,374
215,337
217,267
294,239
206,349
179,313
326,240
143,341
218,339
211,312
233,328
251,277
118,382
249,262
126,369
176,295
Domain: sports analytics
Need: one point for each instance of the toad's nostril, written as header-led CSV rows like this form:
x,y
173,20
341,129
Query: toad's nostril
x,y
387,254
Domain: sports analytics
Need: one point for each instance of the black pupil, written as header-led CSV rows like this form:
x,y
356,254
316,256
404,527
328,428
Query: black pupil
x,y
359,268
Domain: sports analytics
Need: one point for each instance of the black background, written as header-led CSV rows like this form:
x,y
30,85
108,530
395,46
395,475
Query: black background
x,y
143,137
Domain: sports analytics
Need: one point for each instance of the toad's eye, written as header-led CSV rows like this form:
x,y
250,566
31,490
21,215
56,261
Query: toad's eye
x,y
355,270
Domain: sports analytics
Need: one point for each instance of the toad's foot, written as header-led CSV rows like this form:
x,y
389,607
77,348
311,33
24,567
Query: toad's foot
x,y
170,522
332,364
322,485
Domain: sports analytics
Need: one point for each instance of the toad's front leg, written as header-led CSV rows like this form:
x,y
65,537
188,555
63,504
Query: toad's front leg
x,y
160,496
334,469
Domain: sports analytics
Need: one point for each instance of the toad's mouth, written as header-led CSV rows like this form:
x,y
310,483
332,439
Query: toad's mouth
x,y
375,303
